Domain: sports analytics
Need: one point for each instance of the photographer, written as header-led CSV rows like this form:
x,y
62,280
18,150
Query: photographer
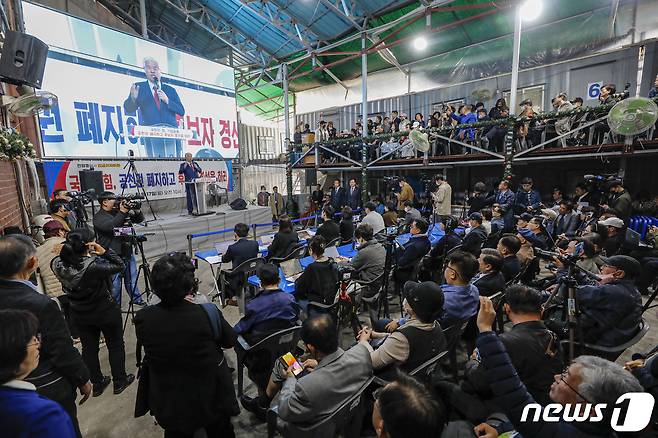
x,y
85,269
442,197
109,217
62,194
59,210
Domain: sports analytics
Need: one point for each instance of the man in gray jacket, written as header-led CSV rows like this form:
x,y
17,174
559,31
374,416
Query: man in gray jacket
x,y
368,264
563,125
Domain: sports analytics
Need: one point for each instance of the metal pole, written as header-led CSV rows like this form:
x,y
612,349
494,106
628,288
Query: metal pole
x,y
516,53
288,144
364,117
142,17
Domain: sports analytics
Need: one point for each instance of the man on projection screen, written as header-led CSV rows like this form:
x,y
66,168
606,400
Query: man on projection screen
x,y
158,105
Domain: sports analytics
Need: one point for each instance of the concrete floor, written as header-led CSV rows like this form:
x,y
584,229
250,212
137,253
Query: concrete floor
x,y
110,416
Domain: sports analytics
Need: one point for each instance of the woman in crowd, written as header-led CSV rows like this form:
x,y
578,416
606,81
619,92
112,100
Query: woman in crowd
x,y
86,269
319,280
23,412
419,118
184,379
346,225
285,240
390,215
494,113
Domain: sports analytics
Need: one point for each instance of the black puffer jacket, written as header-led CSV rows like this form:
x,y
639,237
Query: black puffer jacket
x,y
89,285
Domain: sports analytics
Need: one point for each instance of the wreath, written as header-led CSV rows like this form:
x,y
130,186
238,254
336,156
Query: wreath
x,y
14,145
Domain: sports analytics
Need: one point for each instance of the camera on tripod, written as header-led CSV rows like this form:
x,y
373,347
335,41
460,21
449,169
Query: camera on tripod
x,y
129,233
392,182
132,202
624,94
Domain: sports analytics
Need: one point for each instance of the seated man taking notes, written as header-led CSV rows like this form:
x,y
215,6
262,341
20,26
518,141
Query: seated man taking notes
x,y
242,250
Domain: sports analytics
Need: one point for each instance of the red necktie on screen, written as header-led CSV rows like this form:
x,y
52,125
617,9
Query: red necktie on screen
x,y
156,97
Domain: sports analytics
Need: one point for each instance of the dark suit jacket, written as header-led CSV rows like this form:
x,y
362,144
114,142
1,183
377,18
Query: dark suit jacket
x,y
283,244
413,251
188,382
473,240
354,199
337,198
241,251
568,226
149,112
329,230
490,283
511,267
346,230
58,357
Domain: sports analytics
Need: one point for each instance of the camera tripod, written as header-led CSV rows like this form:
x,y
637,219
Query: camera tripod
x,y
145,269
132,170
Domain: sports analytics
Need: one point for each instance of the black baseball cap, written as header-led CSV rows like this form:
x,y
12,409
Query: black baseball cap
x,y
476,216
629,265
426,299
523,216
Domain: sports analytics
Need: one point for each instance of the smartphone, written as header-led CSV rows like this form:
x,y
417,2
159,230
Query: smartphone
x,y
289,361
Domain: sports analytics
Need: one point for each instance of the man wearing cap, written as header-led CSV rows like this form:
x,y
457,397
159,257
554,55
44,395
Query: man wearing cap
x,y
59,211
476,236
522,220
527,198
417,340
619,202
105,221
615,241
611,311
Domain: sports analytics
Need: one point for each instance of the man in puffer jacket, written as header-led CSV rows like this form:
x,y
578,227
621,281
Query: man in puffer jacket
x,y
588,379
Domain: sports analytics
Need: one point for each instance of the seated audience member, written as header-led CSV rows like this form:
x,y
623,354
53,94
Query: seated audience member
x,y
461,297
567,221
616,236
416,341
319,281
527,198
612,310
645,369
487,215
368,264
373,218
188,386
242,250
23,412
406,405
268,312
526,253
411,213
534,352
508,246
449,240
333,376
55,235
475,238
587,218
285,240
411,252
390,216
329,228
489,280
538,236
346,225
497,222
522,220
588,251
588,379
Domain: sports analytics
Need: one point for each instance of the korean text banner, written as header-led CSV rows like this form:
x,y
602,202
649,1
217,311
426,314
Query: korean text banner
x,y
160,179
117,93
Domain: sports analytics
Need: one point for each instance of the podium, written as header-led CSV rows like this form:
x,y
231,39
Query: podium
x,y
200,186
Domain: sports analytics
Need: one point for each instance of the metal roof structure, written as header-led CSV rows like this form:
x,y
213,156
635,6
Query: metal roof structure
x,y
321,40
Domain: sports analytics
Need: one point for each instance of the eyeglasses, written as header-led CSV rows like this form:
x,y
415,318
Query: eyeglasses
x,y
453,270
38,342
563,378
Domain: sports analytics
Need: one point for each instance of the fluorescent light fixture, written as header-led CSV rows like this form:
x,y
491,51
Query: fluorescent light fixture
x,y
420,43
531,9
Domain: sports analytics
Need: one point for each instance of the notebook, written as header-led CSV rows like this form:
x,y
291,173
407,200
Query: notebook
x,y
266,240
221,247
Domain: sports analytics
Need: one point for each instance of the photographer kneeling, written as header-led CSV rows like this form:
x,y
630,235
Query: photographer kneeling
x,y
109,217
85,270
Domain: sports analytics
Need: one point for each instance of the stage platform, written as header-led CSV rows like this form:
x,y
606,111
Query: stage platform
x,y
171,229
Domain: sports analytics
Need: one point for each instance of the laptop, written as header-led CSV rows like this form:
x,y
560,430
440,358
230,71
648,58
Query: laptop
x,y
291,269
632,238
331,251
266,240
221,247
305,234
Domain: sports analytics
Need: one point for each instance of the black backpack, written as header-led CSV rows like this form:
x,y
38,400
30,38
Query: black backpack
x,y
238,204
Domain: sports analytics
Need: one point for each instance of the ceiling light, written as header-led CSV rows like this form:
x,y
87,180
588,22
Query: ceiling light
x,y
420,43
531,9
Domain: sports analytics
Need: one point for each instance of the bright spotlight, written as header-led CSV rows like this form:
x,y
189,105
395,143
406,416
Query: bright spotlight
x,y
531,9
420,43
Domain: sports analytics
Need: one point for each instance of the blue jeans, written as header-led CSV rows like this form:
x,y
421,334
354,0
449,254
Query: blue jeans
x,y
129,279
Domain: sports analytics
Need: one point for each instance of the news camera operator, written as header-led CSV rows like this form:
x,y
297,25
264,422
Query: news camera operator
x,y
111,215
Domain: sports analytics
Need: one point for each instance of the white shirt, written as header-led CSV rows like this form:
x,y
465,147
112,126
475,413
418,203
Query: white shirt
x,y
20,384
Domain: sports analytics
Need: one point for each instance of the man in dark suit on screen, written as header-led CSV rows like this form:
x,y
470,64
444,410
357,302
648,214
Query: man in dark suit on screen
x,y
158,105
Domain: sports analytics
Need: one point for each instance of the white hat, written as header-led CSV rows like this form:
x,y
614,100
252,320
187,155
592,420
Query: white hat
x,y
612,222
549,214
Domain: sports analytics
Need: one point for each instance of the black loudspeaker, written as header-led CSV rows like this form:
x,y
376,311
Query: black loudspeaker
x,y
23,59
311,178
91,179
238,204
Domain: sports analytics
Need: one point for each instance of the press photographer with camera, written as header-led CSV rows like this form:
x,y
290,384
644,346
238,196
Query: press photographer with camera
x,y
111,215
85,270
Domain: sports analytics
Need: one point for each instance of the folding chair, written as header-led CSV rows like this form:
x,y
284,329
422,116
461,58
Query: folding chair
x,y
242,272
297,253
609,353
422,372
453,334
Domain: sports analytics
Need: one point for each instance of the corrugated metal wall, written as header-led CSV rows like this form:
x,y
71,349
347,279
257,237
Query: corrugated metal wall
x,y
249,142
622,68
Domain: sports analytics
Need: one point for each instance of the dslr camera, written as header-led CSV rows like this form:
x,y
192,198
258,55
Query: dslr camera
x,y
132,202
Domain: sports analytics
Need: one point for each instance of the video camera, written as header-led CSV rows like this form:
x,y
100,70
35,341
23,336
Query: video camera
x,y
624,94
392,182
132,202
128,232
82,197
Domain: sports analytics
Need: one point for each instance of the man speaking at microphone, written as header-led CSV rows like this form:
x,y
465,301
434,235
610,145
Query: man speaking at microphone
x,y
190,170
158,105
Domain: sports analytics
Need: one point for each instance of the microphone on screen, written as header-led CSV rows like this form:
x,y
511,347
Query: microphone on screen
x,y
156,83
